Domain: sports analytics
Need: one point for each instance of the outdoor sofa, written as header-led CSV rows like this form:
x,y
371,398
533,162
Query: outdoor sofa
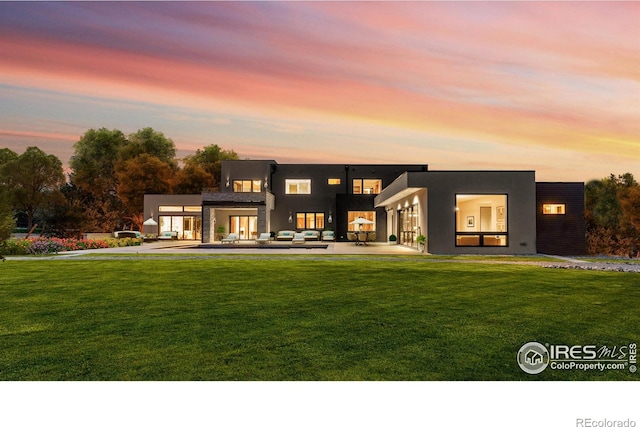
x,y
311,234
168,235
328,235
127,233
285,235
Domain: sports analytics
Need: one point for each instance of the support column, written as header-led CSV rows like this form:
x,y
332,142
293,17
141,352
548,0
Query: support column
x,y
263,221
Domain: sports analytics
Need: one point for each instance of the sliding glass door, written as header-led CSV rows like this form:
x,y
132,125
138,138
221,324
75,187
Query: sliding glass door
x,y
245,226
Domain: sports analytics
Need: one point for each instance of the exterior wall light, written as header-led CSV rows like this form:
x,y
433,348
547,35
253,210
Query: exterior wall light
x,y
290,217
330,219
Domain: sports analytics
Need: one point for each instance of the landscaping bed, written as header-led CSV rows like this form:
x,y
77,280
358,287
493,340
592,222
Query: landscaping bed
x,y
54,245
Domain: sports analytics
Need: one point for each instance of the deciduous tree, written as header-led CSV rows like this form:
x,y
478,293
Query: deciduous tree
x,y
210,159
192,179
7,221
34,178
94,159
151,142
612,215
137,176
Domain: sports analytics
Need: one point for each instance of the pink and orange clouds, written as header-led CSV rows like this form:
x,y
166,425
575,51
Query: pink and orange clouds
x,y
549,86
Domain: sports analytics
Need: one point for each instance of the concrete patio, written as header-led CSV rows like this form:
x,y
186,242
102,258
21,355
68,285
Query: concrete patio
x,y
250,247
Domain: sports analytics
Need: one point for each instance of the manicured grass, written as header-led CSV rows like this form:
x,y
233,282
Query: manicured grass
x,y
296,318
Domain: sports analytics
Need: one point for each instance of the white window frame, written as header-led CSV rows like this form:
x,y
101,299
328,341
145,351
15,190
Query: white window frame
x,y
297,186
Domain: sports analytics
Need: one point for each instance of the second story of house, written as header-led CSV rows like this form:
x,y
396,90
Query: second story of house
x,y
312,181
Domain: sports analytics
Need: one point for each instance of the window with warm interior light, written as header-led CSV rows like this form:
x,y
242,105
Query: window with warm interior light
x,y
310,220
367,186
369,218
170,208
553,209
186,227
297,186
333,181
481,220
247,185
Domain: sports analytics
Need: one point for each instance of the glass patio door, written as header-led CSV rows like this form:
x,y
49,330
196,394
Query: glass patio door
x,y
408,225
245,226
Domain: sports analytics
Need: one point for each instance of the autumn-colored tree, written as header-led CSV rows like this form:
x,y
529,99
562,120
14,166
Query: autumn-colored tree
x,y
93,191
612,215
137,176
34,179
210,159
192,179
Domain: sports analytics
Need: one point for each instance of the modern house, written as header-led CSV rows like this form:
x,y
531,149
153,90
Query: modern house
x,y
482,212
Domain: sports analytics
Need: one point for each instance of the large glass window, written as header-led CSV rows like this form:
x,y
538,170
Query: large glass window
x,y
364,220
367,186
247,185
187,227
310,220
481,220
297,186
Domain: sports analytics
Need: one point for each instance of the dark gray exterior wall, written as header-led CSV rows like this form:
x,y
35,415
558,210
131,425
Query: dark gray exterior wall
x,y
442,188
337,199
519,186
561,234
245,169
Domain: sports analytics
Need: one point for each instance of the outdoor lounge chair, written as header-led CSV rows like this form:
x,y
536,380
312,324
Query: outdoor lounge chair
x,y
264,238
231,238
298,238
328,235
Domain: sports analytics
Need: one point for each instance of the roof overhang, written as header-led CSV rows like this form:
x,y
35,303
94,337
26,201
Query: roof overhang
x,y
396,197
399,189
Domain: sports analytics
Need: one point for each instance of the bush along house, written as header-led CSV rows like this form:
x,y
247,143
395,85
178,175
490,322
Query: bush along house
x,y
477,212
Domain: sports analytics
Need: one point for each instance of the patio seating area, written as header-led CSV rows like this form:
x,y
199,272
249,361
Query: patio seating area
x,y
361,237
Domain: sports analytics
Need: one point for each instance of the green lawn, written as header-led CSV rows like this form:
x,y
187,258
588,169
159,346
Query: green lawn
x,y
301,318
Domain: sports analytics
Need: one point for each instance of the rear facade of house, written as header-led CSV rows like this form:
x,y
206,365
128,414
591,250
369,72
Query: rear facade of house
x,y
477,212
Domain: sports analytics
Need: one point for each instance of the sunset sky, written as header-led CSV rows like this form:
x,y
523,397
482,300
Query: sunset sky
x,y
546,86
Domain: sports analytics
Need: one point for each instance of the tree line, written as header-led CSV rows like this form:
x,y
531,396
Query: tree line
x,y
109,174
612,216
